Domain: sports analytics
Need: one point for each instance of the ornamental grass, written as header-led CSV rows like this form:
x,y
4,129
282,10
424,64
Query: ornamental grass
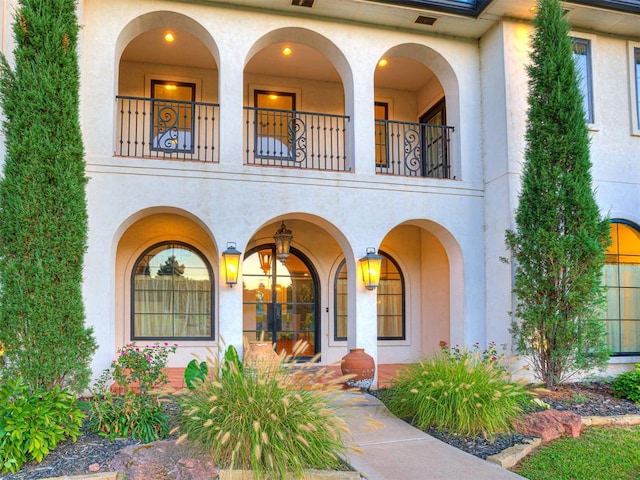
x,y
467,393
276,421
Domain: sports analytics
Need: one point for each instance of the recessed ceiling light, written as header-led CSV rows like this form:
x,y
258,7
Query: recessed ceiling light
x,y
286,51
168,37
383,62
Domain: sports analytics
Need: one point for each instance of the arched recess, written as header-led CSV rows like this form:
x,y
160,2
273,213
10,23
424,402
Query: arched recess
x,y
318,245
167,89
414,83
154,227
164,21
295,69
431,262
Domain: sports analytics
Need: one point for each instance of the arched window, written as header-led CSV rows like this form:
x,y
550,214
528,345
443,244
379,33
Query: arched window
x,y
171,294
391,321
622,279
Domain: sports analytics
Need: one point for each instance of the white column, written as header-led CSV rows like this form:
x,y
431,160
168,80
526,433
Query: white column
x,y
363,316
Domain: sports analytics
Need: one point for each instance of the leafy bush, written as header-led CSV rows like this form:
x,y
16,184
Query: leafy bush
x,y
140,417
137,413
273,422
461,391
627,385
32,424
142,367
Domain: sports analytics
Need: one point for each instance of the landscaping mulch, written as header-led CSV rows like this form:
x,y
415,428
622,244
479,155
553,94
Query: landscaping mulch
x,y
585,399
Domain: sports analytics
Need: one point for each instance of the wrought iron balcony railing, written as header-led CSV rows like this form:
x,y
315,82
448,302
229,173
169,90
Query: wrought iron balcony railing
x,y
288,138
169,129
413,149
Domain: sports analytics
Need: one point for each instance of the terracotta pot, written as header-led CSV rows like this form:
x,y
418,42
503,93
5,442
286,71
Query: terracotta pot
x,y
260,358
360,364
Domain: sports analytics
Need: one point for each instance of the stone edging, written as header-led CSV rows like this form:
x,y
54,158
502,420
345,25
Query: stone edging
x,y
509,457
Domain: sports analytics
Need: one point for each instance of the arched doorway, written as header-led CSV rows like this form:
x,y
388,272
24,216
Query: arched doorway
x,y
280,301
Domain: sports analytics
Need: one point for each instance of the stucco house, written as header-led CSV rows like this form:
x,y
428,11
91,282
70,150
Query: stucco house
x,y
358,127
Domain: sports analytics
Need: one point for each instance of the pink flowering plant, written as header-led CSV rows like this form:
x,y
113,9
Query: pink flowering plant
x,y
138,412
142,366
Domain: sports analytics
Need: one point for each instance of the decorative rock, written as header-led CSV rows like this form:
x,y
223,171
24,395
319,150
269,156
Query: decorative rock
x,y
509,457
550,424
162,460
94,467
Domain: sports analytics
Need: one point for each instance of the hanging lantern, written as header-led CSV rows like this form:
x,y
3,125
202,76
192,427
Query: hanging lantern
x,y
283,242
370,266
265,261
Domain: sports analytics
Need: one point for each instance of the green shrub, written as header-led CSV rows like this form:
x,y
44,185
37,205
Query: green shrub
x,y
627,385
139,416
273,422
138,413
463,392
32,424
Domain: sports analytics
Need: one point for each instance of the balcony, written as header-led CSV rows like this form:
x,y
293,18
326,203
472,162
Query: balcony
x,y
166,129
179,130
413,149
289,138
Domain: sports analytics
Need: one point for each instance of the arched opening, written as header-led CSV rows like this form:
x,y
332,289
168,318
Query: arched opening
x,y
416,113
167,102
295,111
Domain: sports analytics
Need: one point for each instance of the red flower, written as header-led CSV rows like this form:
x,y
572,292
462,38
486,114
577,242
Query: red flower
x,y
443,343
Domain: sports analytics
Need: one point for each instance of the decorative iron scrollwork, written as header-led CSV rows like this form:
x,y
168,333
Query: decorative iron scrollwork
x,y
297,135
412,150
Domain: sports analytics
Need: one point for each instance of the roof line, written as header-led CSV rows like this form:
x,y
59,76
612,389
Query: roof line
x,y
474,8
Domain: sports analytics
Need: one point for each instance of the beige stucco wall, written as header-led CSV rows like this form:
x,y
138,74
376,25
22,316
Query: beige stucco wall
x,y
447,236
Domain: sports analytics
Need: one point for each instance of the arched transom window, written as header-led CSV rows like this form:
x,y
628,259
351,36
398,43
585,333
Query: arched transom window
x,y
171,294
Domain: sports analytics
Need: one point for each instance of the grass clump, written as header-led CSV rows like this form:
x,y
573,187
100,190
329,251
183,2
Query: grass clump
x,y
464,392
595,455
275,421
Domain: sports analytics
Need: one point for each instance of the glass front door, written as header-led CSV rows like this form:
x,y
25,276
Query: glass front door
x,y
279,301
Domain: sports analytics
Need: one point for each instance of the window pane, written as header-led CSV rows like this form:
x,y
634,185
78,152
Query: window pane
x,y
340,328
171,294
381,112
582,59
621,276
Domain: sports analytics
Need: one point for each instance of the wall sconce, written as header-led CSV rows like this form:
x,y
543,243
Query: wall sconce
x,y
231,258
283,242
370,266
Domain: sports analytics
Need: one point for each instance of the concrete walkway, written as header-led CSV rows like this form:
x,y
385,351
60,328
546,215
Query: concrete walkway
x,y
394,450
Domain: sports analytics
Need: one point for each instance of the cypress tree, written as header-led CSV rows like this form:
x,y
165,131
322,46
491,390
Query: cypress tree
x,y
43,213
560,238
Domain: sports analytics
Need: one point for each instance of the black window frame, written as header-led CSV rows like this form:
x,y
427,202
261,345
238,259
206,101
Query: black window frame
x,y
136,269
